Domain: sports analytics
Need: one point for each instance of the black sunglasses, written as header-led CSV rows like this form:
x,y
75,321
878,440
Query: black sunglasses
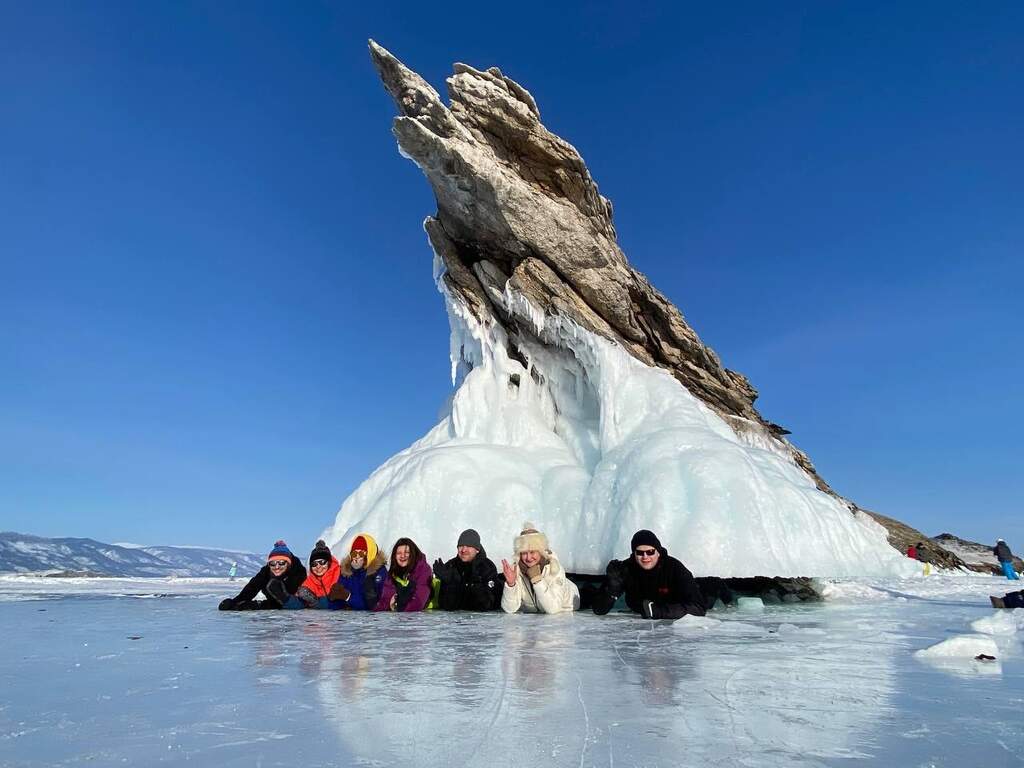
x,y
645,552
279,563
320,561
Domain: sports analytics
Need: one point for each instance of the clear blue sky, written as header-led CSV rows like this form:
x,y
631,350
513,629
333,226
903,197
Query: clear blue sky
x,y
216,308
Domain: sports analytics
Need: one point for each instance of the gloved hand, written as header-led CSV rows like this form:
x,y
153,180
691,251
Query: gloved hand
x,y
616,582
227,604
339,592
442,571
533,572
306,595
651,610
404,594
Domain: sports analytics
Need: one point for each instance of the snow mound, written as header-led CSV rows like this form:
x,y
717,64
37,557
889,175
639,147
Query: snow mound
x,y
960,647
574,433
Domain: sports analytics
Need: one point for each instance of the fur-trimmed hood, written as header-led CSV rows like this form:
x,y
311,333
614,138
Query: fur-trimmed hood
x,y
378,562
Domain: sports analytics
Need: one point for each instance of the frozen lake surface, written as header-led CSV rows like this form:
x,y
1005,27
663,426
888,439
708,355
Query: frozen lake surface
x,y
144,672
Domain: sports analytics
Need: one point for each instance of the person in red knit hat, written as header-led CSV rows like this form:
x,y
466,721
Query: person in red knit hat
x,y
361,576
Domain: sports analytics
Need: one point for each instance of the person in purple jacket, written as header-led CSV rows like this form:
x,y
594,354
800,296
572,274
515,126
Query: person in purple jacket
x,y
409,582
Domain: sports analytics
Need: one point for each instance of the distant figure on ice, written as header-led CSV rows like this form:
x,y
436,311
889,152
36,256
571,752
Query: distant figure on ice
x,y
537,582
1009,600
324,571
409,583
656,585
233,572
469,581
912,552
1005,557
362,575
279,580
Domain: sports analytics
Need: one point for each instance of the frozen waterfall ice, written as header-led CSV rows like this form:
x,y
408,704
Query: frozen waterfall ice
x,y
591,444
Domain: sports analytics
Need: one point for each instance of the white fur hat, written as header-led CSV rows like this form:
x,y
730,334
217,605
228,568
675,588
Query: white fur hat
x,y
530,539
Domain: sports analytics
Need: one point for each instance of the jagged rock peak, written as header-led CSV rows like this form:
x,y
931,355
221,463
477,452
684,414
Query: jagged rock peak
x,y
517,210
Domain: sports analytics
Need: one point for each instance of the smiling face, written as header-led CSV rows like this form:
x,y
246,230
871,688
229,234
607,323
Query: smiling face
x,y
319,567
358,560
466,554
278,565
530,558
402,555
646,556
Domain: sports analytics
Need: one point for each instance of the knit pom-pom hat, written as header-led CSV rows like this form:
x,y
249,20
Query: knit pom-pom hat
x,y
320,552
280,550
530,539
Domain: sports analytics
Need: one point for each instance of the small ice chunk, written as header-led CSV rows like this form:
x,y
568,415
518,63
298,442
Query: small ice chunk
x,y
960,647
696,622
1001,623
750,604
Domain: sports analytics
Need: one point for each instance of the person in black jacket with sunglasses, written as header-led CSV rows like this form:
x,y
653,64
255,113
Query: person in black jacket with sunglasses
x,y
656,585
278,580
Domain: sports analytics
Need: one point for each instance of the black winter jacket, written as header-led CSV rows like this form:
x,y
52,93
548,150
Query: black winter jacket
x,y
669,587
293,578
472,586
1002,552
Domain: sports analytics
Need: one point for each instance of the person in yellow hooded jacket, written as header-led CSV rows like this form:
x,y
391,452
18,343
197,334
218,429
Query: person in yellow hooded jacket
x,y
362,574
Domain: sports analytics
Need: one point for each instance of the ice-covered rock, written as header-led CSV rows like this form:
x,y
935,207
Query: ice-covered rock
x,y
583,401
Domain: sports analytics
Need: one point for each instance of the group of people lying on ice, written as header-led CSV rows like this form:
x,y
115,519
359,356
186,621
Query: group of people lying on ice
x,y
654,584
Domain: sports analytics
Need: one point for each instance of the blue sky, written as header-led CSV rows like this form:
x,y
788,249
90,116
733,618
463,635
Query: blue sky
x,y
216,308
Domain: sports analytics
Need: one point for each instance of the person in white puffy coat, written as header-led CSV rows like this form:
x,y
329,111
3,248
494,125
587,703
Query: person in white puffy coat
x,y
537,582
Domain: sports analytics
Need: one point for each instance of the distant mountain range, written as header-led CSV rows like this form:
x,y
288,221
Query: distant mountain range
x,y
23,553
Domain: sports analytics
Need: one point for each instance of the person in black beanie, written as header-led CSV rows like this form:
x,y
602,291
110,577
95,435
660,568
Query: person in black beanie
x,y
656,585
469,581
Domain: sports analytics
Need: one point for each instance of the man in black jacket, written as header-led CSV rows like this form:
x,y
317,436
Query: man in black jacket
x,y
279,580
469,581
656,585
1005,557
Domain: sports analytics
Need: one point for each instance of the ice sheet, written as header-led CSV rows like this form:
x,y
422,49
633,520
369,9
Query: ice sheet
x,y
114,680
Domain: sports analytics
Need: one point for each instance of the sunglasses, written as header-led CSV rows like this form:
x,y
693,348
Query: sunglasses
x,y
279,563
319,561
645,552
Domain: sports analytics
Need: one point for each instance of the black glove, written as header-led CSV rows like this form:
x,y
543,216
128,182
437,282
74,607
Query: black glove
x,y
227,604
442,571
651,610
616,582
404,594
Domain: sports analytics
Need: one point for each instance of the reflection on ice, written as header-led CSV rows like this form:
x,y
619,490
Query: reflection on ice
x,y
790,686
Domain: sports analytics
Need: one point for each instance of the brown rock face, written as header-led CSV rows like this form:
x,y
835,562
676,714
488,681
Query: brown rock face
x,y
517,210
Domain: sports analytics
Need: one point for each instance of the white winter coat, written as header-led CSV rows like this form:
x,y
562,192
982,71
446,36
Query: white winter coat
x,y
553,592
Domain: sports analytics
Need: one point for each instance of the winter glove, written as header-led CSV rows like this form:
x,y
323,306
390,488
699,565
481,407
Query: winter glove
x,y
277,592
404,595
305,594
228,604
338,592
442,571
616,582
651,610
533,572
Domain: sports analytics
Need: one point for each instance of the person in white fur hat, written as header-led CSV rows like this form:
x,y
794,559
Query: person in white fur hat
x,y
537,582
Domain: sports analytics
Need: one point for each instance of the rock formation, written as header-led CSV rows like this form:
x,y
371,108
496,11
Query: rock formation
x,y
519,214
